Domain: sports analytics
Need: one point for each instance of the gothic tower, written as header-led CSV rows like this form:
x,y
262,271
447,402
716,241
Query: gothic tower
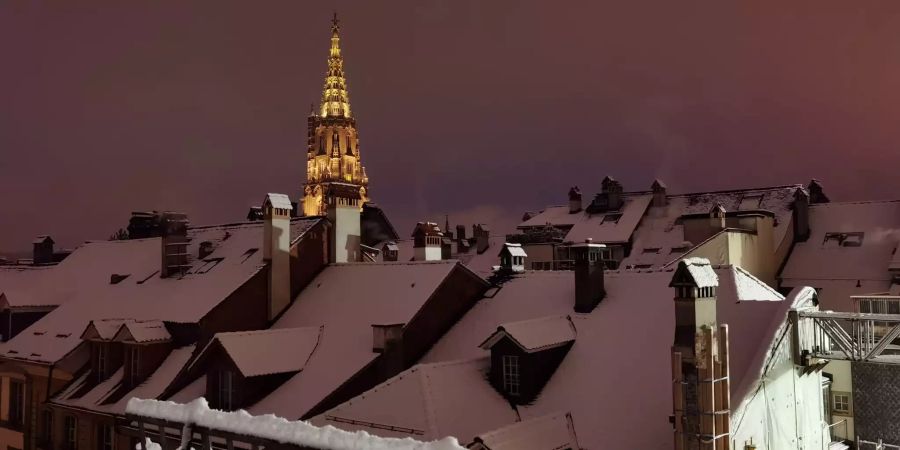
x,y
333,166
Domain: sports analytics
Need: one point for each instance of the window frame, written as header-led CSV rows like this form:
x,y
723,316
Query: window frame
x,y
70,432
134,364
841,403
105,437
226,390
17,395
46,428
512,375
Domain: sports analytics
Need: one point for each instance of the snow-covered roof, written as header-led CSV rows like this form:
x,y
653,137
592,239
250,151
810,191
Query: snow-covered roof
x,y
102,329
278,429
621,357
98,398
142,331
699,270
610,227
535,334
659,238
551,432
263,352
279,201
480,263
426,400
513,250
345,300
827,261
83,279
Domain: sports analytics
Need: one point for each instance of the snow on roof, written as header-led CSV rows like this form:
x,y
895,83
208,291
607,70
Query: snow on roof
x,y
825,260
659,238
40,239
425,400
84,280
550,432
143,331
279,201
346,299
278,429
535,334
263,352
152,387
104,329
631,330
610,227
700,271
513,250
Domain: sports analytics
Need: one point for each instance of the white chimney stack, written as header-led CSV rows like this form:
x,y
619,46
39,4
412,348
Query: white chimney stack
x,y
343,210
427,238
277,250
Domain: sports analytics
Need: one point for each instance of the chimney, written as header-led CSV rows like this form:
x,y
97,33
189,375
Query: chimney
x,y
659,193
387,340
390,251
574,200
699,354
613,190
816,193
801,215
343,210
42,250
427,242
717,218
512,258
460,232
173,229
589,289
143,225
482,235
277,250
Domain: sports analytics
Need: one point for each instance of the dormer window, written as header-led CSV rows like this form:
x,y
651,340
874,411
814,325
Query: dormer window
x,y
226,390
134,365
511,374
102,359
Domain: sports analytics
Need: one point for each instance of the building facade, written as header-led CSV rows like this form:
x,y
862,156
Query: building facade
x,y
332,140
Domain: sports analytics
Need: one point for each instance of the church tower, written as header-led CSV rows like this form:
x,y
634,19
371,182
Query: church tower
x,y
333,166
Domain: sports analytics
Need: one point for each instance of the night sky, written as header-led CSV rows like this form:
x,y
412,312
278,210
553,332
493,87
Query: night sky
x,y
479,109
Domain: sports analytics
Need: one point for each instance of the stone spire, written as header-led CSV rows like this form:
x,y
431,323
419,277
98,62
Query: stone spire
x,y
335,98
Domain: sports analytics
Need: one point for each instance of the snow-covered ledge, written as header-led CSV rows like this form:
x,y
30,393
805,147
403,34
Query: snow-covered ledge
x,y
278,429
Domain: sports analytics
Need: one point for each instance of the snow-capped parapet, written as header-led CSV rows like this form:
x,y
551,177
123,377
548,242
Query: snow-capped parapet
x,y
278,429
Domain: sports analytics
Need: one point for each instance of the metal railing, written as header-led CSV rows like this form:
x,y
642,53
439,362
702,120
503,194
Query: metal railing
x,y
845,336
862,444
828,431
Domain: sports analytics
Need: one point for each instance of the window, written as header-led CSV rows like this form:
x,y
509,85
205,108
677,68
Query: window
x,y
47,425
102,359
840,403
134,365
511,374
651,250
105,440
226,390
592,256
70,430
612,218
854,239
16,402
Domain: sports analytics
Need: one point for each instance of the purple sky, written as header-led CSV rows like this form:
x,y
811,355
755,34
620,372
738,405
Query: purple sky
x,y
464,106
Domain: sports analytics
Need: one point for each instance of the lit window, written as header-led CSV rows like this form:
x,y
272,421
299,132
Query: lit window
x,y
511,374
71,432
840,402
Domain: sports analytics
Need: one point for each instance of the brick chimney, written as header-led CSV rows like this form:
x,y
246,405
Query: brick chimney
x,y
42,250
427,242
699,354
574,200
589,285
460,232
277,250
173,228
659,193
816,192
613,190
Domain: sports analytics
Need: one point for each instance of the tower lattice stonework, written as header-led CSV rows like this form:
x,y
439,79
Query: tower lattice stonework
x,y
333,166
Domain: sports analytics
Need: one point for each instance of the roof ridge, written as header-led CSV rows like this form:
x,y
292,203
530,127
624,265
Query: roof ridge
x,y
266,331
855,202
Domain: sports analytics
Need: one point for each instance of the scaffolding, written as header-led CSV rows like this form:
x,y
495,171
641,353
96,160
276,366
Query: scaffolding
x,y
702,395
861,337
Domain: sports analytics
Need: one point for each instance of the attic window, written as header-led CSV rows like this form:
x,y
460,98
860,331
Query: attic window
x,y
117,278
678,249
651,250
206,247
39,333
643,266
208,265
835,239
511,374
749,202
612,218
63,335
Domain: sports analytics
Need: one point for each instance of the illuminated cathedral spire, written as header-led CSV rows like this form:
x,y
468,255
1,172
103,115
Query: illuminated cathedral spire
x,y
335,98
334,171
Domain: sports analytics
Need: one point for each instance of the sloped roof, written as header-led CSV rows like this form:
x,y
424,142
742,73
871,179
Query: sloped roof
x,y
104,329
426,400
631,330
820,263
152,387
267,352
660,233
513,250
143,331
346,299
595,226
482,264
535,334
551,432
84,278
